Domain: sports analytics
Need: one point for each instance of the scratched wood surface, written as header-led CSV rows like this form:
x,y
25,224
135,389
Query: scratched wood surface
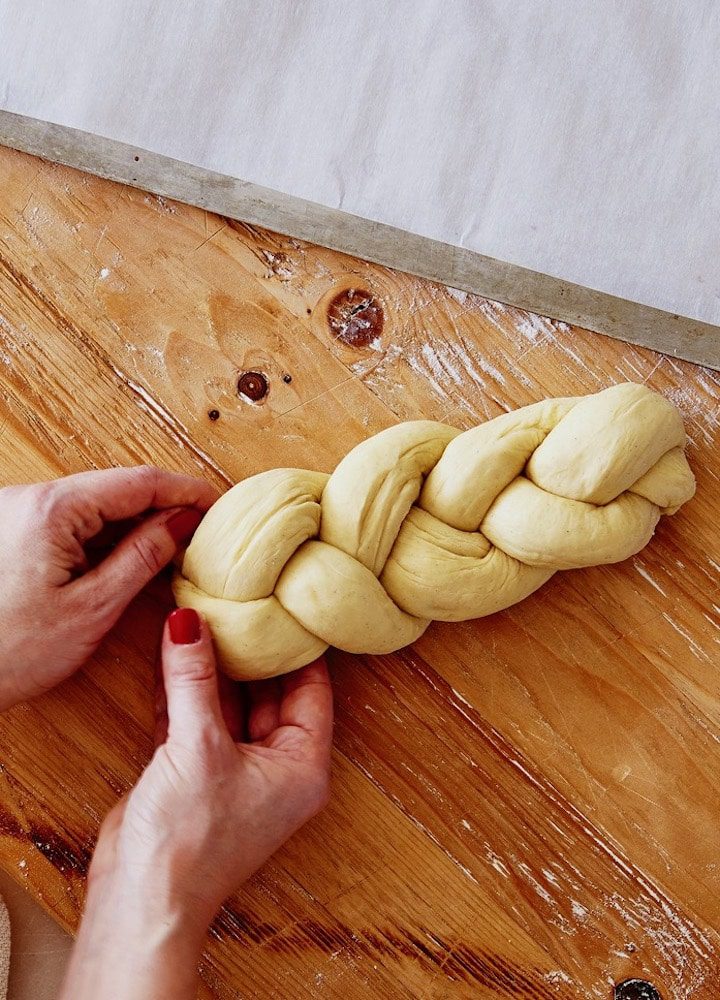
x,y
523,806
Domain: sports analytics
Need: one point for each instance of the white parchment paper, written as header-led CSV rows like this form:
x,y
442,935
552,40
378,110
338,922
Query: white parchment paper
x,y
580,139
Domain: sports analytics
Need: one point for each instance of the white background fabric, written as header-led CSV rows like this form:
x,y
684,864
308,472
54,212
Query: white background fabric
x,y
577,138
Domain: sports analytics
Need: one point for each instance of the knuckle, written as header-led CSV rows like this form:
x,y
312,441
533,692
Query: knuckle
x,y
193,668
49,508
47,500
212,741
206,747
147,474
150,553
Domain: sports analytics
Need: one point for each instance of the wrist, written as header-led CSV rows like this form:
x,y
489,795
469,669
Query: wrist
x,y
134,943
148,905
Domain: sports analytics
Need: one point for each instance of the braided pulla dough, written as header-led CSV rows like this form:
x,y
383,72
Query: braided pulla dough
x,y
422,521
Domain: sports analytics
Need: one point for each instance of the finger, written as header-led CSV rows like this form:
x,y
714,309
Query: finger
x,y
134,562
190,676
232,703
307,702
264,708
115,494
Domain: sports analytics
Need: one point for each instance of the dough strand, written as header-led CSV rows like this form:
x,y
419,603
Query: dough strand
x,y
423,522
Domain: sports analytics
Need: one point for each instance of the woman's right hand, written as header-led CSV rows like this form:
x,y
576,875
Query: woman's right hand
x,y
227,786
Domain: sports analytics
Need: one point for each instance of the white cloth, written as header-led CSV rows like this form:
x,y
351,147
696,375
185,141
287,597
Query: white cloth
x,y
576,138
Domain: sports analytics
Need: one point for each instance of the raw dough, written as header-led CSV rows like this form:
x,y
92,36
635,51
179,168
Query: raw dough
x,y
422,522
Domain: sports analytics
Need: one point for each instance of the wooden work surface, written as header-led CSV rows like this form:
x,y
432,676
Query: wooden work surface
x,y
523,806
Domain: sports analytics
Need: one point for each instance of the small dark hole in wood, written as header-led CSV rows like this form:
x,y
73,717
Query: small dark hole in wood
x,y
309,310
287,378
214,414
137,158
636,989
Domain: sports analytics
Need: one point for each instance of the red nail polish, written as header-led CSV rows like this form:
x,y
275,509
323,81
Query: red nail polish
x,y
184,626
183,523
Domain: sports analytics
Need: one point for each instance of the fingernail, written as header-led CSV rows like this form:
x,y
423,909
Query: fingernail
x,y
182,524
184,626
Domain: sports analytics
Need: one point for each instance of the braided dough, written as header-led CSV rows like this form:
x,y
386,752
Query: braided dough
x,y
423,522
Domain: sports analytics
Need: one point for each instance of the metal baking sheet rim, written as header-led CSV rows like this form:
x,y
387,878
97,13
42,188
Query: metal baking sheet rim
x,y
668,333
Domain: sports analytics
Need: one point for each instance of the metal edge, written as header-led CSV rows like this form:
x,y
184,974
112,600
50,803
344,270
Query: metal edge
x,y
646,326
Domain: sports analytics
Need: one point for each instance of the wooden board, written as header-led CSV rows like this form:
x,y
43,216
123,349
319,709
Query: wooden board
x,y
523,806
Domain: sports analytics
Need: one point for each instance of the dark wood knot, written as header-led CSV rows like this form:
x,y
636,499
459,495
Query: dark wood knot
x,y
253,385
355,318
636,989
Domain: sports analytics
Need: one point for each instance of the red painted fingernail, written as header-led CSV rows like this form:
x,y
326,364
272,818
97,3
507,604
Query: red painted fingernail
x,y
182,524
184,626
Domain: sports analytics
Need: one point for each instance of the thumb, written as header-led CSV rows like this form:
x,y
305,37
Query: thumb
x,y
137,559
190,676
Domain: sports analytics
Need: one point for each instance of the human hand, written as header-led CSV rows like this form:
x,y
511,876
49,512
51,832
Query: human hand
x,y
240,768
55,605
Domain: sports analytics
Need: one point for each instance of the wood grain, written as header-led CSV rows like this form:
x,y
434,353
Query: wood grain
x,y
523,806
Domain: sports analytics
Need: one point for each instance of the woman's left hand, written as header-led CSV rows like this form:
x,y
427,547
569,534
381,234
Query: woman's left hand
x,y
56,605
238,769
